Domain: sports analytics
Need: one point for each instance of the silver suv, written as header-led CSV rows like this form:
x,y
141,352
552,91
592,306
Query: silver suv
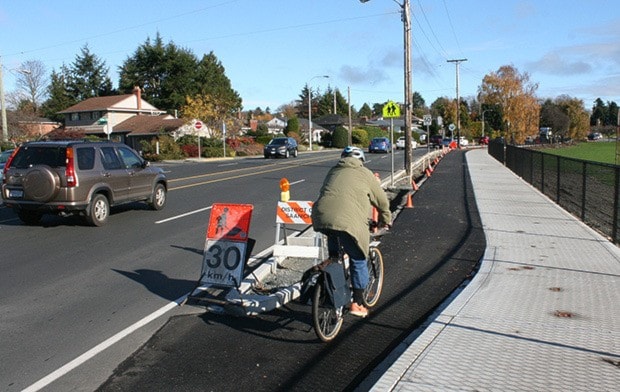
x,y
69,177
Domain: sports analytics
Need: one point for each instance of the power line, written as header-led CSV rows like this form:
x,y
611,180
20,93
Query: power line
x,y
452,26
444,54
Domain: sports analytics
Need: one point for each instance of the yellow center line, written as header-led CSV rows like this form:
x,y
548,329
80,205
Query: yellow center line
x,y
279,168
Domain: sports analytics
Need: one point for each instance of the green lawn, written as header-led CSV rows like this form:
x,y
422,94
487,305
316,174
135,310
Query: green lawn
x,y
604,152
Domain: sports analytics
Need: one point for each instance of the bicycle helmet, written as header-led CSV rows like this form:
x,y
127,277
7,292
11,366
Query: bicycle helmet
x,y
354,152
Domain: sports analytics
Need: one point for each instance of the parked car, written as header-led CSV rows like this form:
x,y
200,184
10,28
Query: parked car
x,y
463,141
380,144
484,140
79,177
435,141
281,147
595,136
4,156
400,143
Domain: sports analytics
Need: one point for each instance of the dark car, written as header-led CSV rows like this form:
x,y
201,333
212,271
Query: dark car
x,y
4,156
435,141
380,144
281,147
595,136
79,177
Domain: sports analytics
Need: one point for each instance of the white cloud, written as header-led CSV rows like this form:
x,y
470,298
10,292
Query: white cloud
x,y
556,64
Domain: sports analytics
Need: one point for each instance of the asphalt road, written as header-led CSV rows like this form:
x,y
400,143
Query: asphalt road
x,y
433,249
75,301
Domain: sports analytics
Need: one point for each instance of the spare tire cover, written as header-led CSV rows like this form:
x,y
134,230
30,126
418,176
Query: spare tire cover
x,y
41,184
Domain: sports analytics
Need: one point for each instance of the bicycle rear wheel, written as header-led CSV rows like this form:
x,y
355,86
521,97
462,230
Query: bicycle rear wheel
x,y
327,320
375,274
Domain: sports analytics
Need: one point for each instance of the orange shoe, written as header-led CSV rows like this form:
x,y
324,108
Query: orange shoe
x,y
358,310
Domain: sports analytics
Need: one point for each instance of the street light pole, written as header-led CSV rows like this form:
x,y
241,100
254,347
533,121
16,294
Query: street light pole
x,y
310,107
406,18
408,104
5,131
483,112
458,101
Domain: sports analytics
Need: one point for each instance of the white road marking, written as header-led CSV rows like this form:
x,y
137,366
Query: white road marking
x,y
55,375
45,381
183,215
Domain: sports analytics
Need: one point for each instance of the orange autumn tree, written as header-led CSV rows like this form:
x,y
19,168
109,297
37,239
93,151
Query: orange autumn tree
x,y
514,94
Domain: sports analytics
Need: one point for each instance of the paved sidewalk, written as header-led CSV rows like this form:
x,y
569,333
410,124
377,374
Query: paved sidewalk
x,y
541,314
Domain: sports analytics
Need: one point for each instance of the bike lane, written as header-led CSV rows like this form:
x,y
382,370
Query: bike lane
x,y
433,248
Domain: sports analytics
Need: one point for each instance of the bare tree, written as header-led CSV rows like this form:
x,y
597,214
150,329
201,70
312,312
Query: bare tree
x,y
32,82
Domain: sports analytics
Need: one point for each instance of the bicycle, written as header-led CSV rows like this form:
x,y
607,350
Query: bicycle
x,y
327,316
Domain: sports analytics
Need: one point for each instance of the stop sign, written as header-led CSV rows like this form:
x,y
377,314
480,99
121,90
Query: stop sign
x,y
198,124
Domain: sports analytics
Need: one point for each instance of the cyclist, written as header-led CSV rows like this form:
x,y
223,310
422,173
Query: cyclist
x,y
341,212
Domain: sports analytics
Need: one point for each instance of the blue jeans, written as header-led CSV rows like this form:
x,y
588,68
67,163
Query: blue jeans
x,y
357,258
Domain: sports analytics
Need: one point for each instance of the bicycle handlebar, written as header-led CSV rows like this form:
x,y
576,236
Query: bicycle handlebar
x,y
374,225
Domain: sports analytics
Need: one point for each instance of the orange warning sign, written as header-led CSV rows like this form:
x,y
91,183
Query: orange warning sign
x,y
230,222
294,212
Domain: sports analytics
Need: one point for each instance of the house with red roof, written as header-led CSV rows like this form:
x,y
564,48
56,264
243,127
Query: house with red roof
x,y
124,118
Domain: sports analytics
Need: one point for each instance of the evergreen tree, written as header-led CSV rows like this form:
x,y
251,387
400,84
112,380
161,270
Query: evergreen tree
x,y
169,75
87,77
599,112
165,73
59,97
211,79
417,101
365,111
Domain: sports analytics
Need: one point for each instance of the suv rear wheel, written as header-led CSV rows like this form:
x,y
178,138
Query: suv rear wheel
x,y
158,199
98,210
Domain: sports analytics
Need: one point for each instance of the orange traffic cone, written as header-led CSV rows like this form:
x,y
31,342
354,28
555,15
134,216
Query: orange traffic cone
x,y
428,172
415,186
409,201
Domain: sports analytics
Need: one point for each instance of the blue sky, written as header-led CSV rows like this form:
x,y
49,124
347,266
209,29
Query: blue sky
x,y
272,48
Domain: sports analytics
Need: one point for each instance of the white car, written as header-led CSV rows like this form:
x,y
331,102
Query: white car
x,y
400,143
463,141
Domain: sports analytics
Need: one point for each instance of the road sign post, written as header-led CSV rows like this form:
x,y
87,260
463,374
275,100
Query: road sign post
x,y
391,110
427,122
198,127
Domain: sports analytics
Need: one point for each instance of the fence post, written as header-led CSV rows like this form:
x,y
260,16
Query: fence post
x,y
614,228
557,182
583,191
542,174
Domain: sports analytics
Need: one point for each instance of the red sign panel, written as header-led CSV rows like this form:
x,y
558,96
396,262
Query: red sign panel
x,y
230,222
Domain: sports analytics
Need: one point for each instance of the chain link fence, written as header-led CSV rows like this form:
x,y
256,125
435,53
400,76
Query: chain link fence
x,y
588,190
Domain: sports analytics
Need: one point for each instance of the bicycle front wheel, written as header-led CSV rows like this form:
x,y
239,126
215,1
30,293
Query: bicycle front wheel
x,y
375,274
327,320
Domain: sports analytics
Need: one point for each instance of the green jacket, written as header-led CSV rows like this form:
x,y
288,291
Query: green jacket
x,y
345,201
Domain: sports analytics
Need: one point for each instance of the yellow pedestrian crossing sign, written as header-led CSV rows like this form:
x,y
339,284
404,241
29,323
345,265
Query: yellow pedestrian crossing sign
x,y
391,109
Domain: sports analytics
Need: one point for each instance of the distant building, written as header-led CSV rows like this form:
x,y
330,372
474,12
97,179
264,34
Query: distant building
x,y
126,118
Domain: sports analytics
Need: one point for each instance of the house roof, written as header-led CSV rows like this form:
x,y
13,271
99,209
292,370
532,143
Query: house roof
x,y
125,102
149,125
134,126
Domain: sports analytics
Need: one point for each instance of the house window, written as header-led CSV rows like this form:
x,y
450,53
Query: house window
x,y
95,115
75,116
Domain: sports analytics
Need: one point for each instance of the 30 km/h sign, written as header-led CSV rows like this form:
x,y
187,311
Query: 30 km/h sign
x,y
391,110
